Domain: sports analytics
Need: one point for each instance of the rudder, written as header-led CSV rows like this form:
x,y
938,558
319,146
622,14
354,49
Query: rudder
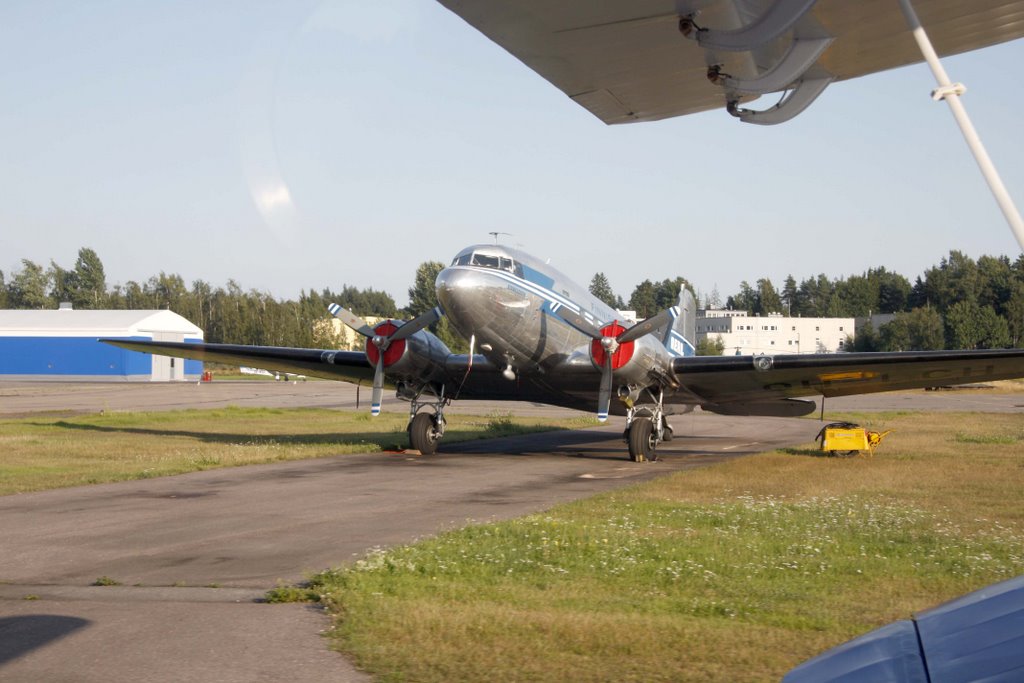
x,y
681,338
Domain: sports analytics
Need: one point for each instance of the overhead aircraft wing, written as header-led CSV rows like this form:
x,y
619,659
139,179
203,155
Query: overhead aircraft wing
x,y
732,381
628,61
350,366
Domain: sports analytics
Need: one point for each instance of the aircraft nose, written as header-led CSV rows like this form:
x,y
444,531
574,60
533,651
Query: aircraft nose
x,y
453,287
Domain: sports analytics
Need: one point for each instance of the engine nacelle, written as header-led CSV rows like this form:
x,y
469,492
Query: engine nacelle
x,y
632,361
419,358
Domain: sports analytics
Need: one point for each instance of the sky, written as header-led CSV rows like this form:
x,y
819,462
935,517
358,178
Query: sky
x,y
311,144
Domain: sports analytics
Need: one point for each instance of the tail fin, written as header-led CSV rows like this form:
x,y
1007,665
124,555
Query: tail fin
x,y
681,337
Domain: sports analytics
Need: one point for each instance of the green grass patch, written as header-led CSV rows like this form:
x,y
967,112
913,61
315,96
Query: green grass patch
x,y
39,453
106,581
731,573
1003,439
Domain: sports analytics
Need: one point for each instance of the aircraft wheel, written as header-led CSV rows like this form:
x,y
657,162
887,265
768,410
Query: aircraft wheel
x,y
423,436
642,440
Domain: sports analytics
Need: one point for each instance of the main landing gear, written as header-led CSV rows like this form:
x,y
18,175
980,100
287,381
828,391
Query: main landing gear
x,y
425,428
646,427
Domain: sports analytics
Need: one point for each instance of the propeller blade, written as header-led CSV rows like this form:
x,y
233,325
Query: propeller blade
x,y
351,319
648,325
579,322
416,324
604,396
378,386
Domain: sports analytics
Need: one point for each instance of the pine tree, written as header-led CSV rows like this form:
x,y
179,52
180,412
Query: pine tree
x,y
602,289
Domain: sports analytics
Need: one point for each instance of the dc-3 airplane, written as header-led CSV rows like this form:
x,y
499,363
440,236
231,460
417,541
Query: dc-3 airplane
x,y
543,338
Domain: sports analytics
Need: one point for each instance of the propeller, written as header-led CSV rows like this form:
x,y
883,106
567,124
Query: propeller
x,y
380,340
613,346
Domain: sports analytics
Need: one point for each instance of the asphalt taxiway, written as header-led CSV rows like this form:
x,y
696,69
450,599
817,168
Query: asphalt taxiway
x,y
194,553
68,398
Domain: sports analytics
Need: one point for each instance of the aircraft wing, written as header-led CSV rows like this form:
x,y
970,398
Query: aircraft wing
x,y
350,366
629,61
734,381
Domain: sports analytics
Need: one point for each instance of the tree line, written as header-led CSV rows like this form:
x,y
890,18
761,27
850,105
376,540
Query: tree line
x,y
959,303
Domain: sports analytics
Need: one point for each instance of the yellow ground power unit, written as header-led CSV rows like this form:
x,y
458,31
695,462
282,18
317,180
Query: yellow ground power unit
x,y
846,438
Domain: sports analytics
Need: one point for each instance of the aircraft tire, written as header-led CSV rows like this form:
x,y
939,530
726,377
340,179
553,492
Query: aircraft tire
x,y
642,440
423,435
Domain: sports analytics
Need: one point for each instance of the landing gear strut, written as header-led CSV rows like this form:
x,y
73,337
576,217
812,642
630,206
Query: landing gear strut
x,y
646,427
426,429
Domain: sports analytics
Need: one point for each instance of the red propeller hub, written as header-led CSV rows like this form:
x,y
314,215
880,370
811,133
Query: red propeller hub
x,y
620,355
394,350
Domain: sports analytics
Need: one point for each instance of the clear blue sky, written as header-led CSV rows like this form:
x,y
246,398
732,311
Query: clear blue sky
x,y
302,144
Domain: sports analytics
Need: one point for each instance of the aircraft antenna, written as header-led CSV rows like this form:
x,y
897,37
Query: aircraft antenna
x,y
495,233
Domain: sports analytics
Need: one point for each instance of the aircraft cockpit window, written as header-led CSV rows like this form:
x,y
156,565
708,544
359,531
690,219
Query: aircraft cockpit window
x,y
493,262
485,261
462,260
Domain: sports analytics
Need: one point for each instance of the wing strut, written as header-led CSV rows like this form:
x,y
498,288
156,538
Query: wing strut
x,y
950,92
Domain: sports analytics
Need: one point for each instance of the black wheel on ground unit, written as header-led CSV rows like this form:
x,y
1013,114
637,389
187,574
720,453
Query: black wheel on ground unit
x,y
642,440
423,436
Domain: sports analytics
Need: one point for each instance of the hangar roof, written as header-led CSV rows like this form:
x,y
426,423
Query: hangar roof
x,y
71,323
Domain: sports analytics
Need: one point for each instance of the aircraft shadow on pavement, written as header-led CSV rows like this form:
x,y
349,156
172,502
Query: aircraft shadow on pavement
x,y
534,443
384,439
22,634
578,443
573,442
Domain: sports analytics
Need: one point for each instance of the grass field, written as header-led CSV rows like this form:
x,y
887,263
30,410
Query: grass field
x,y
736,572
46,452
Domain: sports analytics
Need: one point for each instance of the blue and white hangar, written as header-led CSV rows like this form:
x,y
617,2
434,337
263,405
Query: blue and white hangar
x,y
62,345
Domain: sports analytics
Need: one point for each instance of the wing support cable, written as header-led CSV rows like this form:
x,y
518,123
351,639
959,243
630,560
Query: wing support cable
x,y
950,92
798,99
777,19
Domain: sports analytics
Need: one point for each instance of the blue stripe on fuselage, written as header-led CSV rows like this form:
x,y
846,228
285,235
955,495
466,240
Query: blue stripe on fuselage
x,y
537,288
537,278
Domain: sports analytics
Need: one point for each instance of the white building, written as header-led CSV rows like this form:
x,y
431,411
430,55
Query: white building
x,y
773,334
331,332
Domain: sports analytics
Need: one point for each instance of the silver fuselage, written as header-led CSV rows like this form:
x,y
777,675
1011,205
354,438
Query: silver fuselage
x,y
508,302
